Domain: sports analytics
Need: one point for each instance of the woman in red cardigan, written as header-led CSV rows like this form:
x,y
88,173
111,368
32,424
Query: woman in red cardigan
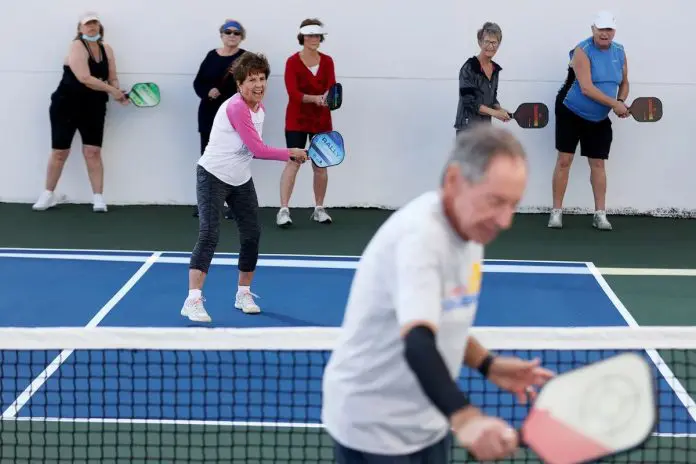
x,y
308,76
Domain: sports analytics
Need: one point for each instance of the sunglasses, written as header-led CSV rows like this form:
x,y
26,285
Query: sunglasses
x,y
232,32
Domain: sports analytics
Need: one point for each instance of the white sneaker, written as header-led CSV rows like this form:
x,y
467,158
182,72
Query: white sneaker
x,y
245,302
320,215
46,200
194,310
283,217
99,205
556,219
600,221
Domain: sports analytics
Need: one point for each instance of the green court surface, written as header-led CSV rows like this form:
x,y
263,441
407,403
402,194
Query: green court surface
x,y
650,264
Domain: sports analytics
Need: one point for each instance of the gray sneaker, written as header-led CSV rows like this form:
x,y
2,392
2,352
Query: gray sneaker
x,y
283,218
556,219
320,215
600,221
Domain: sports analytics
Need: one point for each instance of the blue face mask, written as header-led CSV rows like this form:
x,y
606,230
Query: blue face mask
x,y
91,38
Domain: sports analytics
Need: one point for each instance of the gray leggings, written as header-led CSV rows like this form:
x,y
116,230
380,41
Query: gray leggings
x,y
212,193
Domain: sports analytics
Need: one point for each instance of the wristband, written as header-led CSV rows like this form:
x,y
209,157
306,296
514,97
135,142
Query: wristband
x,y
485,366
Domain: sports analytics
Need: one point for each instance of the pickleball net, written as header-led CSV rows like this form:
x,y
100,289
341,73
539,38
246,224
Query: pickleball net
x,y
254,395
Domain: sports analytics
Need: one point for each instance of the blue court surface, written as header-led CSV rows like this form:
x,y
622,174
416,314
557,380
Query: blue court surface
x,y
78,288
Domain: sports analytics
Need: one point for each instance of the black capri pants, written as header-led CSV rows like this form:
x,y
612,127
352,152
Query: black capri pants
x,y
68,116
212,193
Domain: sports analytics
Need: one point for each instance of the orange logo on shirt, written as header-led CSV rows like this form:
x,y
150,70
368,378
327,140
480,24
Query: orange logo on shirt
x,y
464,295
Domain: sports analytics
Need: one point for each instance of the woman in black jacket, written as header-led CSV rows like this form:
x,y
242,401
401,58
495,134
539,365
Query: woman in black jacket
x,y
214,83
478,82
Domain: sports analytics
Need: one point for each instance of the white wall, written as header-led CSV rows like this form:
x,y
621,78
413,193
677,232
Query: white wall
x,y
398,62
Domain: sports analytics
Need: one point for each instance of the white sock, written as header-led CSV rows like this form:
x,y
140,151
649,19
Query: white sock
x,y
98,198
194,294
243,289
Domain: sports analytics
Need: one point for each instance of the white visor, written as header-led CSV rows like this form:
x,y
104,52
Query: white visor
x,y
312,30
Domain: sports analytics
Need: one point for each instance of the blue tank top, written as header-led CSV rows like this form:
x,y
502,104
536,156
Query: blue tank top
x,y
607,74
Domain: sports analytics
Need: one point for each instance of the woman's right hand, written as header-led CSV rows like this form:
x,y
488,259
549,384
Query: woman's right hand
x,y
118,94
298,155
214,93
501,115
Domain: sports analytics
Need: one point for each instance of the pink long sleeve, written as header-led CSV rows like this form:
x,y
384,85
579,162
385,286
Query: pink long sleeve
x,y
240,118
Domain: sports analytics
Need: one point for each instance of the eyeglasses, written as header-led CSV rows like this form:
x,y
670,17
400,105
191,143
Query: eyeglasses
x,y
232,32
491,43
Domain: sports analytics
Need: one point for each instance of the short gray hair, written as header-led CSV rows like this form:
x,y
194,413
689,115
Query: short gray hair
x,y
490,28
476,147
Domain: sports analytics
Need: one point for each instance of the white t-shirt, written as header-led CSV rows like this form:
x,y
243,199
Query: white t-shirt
x,y
235,139
414,268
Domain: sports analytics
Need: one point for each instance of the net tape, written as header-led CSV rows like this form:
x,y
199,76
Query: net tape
x,y
109,394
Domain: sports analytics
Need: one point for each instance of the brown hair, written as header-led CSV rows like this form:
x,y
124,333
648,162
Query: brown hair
x,y
309,22
250,63
101,32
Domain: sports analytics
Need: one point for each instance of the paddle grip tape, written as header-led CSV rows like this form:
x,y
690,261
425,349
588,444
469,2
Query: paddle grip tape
x,y
432,373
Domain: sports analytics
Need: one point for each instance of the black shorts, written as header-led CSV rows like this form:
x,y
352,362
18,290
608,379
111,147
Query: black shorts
x,y
67,117
594,137
296,139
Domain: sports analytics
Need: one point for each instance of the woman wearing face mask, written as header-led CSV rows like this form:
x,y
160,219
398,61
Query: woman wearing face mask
x,y
79,104
224,175
309,74
214,83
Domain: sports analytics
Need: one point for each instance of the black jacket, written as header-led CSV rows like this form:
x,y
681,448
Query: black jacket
x,y
475,90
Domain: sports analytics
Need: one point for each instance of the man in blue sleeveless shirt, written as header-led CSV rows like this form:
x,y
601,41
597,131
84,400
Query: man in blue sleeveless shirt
x,y
597,84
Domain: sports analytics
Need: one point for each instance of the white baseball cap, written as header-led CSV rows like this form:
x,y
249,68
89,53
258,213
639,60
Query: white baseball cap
x,y
604,20
88,16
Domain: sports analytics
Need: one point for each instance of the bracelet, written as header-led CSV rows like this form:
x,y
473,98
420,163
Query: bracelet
x,y
621,100
486,364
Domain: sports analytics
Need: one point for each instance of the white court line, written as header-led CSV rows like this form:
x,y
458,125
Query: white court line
x,y
293,263
660,363
36,384
640,271
125,252
294,255
275,260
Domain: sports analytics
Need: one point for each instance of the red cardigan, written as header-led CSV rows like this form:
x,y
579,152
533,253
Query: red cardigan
x,y
299,81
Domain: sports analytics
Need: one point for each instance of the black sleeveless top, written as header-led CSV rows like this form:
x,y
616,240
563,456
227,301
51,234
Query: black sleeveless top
x,y
71,88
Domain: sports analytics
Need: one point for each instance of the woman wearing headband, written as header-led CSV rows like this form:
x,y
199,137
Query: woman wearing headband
x,y
214,83
308,76
223,174
79,105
